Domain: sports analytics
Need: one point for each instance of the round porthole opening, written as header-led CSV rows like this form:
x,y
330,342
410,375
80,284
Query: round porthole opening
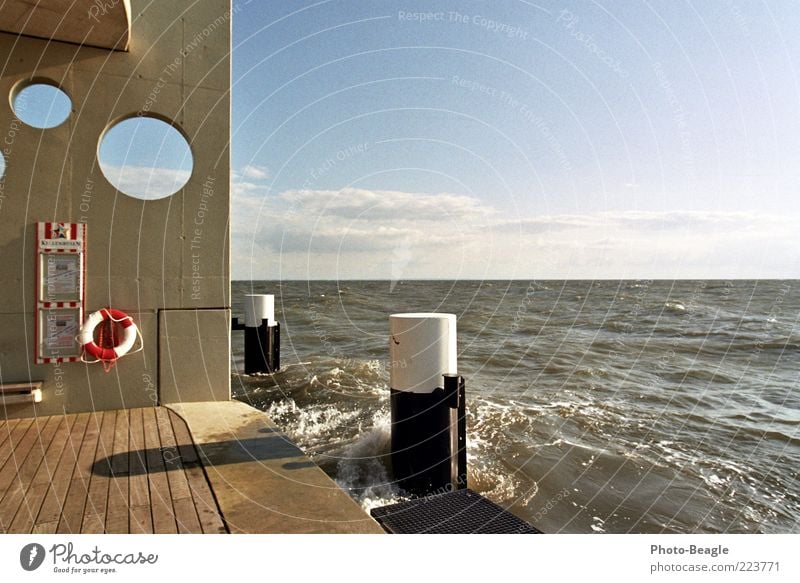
x,y
145,157
41,104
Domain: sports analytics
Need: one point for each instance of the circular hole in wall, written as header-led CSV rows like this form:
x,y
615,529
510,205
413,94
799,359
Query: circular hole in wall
x,y
145,157
41,104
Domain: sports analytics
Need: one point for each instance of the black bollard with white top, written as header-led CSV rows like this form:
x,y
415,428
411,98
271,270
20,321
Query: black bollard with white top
x,y
262,334
428,441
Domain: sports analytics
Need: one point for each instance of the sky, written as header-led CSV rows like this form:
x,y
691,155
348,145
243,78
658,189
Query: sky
x,y
514,139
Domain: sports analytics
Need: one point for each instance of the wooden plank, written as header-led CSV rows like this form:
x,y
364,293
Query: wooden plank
x,y
6,427
140,518
186,516
24,521
183,440
14,439
117,515
120,462
88,451
72,511
160,497
173,462
105,446
13,436
26,466
10,470
93,523
169,448
45,528
26,517
75,502
50,464
185,511
50,512
155,463
15,499
94,515
207,510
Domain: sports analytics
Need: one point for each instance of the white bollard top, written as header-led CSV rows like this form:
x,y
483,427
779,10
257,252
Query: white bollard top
x,y
422,347
258,307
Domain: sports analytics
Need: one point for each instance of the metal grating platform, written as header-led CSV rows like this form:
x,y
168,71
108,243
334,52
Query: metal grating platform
x,y
458,512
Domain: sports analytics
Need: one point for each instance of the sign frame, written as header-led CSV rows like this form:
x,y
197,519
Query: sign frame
x,y
60,290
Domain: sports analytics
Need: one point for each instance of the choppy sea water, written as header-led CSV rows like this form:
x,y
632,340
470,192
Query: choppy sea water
x,y
593,406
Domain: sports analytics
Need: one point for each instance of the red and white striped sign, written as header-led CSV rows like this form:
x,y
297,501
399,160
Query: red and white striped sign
x,y
61,237
60,290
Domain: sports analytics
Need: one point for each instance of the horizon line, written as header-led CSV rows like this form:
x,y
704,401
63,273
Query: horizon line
x,y
399,281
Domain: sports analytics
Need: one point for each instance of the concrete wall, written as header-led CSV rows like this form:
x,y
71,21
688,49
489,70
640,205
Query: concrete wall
x,y
141,254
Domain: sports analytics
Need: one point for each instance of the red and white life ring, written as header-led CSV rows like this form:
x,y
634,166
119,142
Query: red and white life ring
x,y
86,336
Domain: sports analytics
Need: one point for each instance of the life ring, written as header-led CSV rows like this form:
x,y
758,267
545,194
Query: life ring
x,y
86,336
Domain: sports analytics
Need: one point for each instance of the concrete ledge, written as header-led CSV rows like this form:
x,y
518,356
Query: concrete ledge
x,y
262,481
84,22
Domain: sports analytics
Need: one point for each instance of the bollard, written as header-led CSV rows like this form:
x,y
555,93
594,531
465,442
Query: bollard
x,y
258,307
262,334
428,441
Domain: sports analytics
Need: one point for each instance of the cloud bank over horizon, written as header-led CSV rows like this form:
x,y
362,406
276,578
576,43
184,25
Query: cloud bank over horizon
x,y
356,233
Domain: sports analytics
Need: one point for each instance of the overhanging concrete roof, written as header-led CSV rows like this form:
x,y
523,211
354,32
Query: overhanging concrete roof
x,y
98,23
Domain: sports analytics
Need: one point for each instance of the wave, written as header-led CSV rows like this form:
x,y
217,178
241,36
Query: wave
x,y
659,406
363,469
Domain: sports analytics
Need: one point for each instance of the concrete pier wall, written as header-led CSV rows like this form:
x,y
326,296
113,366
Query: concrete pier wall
x,y
164,262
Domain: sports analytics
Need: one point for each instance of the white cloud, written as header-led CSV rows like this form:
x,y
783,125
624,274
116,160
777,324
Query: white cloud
x,y
386,204
644,221
146,182
359,233
255,172
673,244
248,193
242,188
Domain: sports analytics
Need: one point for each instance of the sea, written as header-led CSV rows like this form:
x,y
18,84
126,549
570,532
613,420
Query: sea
x,y
592,406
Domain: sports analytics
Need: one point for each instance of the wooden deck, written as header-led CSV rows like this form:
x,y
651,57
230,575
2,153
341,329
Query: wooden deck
x,y
126,471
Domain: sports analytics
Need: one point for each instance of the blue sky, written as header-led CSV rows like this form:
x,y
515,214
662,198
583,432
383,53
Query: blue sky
x,y
520,139
516,139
